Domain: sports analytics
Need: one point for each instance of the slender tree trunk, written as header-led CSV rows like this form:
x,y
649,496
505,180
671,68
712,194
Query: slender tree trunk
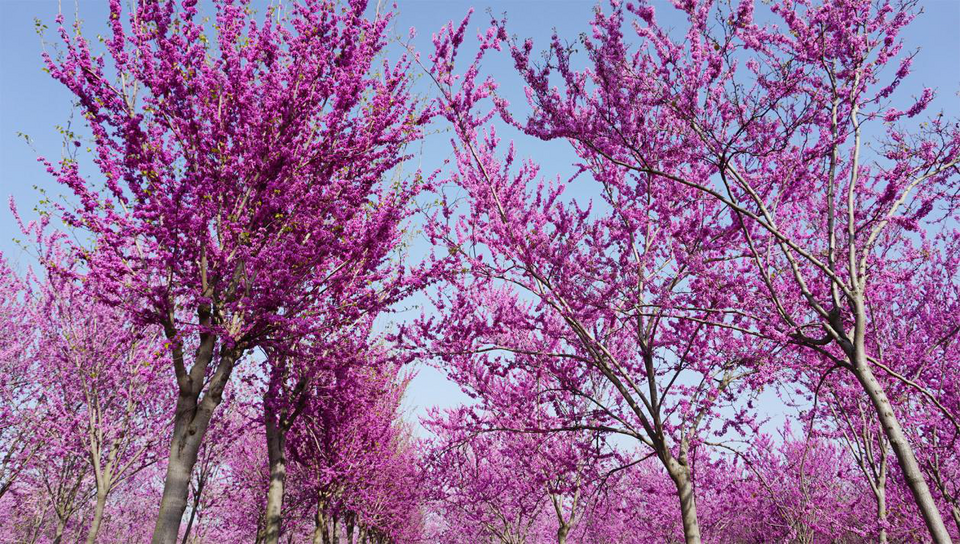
x,y
882,511
564,525
97,517
191,422
857,354
955,511
62,521
881,485
680,474
902,449
197,497
37,529
276,445
58,536
188,430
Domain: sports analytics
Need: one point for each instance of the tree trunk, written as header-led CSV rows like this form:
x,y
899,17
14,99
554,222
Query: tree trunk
x,y
564,525
36,528
680,475
58,536
276,445
955,511
184,449
190,425
902,449
97,517
882,511
320,535
197,497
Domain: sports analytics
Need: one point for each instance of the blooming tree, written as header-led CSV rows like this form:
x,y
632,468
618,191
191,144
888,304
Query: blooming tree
x,y
17,412
354,463
229,166
789,120
624,302
752,206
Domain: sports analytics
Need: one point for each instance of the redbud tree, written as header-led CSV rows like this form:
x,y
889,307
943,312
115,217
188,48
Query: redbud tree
x,y
230,157
102,379
17,391
625,303
792,117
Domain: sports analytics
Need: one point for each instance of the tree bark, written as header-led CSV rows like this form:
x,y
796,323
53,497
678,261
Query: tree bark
x,y
680,474
320,535
58,536
882,511
191,422
564,525
904,452
97,517
276,445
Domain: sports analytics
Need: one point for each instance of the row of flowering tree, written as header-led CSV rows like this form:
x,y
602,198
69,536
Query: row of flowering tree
x,y
757,209
86,423
208,356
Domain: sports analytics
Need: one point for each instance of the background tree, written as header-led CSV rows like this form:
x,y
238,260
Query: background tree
x,y
18,410
101,376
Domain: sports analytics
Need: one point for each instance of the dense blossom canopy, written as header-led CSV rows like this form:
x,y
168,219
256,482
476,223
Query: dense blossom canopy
x,y
207,345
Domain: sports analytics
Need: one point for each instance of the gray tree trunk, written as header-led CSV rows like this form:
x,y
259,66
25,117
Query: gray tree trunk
x,y
191,422
904,452
320,534
97,517
680,474
882,508
276,445
58,536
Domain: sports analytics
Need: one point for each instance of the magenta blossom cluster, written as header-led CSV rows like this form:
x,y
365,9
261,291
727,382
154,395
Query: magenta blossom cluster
x,y
207,346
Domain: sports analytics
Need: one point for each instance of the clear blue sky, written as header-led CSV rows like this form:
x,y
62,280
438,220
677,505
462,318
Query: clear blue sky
x,y
33,104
